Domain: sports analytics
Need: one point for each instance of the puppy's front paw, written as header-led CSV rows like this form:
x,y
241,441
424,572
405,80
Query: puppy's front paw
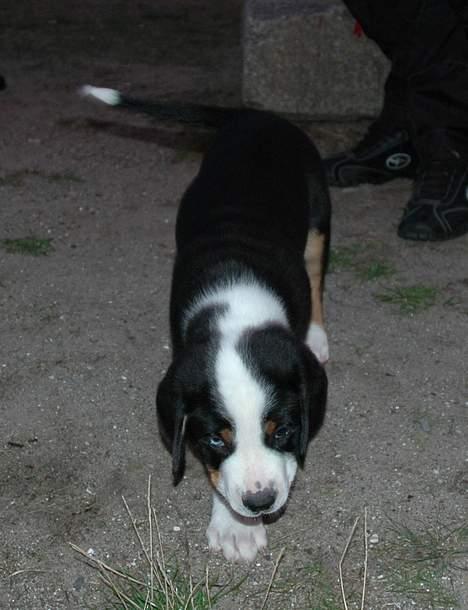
x,y
237,540
317,341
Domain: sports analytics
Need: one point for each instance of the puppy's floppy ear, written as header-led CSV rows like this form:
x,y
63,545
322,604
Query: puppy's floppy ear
x,y
313,397
172,420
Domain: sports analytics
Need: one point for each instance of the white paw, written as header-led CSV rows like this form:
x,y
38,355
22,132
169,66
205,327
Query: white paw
x,y
318,342
237,540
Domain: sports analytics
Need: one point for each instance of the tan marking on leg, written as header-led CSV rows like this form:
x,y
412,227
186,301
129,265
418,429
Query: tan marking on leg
x,y
313,256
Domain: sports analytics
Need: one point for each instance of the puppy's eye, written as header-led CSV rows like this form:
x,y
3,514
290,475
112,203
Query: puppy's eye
x,y
215,442
282,433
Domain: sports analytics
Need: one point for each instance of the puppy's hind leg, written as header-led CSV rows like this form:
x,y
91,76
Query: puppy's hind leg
x,y
315,258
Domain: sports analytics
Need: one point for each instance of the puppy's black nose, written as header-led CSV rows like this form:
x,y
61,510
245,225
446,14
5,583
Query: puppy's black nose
x,y
259,501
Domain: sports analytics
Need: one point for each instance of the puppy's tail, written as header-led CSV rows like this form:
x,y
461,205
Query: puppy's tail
x,y
212,117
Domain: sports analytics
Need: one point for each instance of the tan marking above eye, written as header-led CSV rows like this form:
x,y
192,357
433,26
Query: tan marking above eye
x,y
226,435
270,427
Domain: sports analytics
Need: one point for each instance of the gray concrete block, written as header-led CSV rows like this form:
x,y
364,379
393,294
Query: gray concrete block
x,y
303,58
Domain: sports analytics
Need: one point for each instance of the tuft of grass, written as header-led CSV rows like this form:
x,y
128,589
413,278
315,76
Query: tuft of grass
x,y
423,586
344,258
356,258
319,583
162,586
32,246
376,271
323,596
139,597
411,299
67,178
18,178
314,582
421,562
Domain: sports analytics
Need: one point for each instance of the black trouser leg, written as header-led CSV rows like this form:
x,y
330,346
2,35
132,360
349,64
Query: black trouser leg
x,y
427,45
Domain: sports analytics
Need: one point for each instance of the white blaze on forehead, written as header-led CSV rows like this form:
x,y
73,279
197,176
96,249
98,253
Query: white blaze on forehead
x,y
249,305
252,465
242,396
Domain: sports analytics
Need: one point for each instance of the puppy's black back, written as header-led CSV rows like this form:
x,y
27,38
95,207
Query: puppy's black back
x,y
248,211
252,179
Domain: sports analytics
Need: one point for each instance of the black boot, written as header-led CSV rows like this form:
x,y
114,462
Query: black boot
x,y
438,208
385,153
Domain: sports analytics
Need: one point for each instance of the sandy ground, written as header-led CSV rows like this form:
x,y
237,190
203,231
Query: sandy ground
x,y
84,338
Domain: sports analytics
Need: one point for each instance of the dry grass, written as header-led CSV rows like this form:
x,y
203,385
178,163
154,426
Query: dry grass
x,y
365,561
163,587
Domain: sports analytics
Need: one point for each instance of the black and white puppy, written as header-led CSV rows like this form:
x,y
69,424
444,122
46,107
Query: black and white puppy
x,y
246,389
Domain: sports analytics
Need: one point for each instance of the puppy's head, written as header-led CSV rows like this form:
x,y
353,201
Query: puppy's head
x,y
248,407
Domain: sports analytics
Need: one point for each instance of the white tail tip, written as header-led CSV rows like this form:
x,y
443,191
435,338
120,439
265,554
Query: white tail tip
x,y
107,96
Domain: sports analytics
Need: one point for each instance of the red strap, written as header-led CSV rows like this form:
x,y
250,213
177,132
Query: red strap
x,y
358,31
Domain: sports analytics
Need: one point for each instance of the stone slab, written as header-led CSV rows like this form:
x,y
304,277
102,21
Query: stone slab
x,y
305,58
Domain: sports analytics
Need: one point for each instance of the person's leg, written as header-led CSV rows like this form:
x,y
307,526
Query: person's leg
x,y
437,72
386,152
438,208
427,45
426,101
